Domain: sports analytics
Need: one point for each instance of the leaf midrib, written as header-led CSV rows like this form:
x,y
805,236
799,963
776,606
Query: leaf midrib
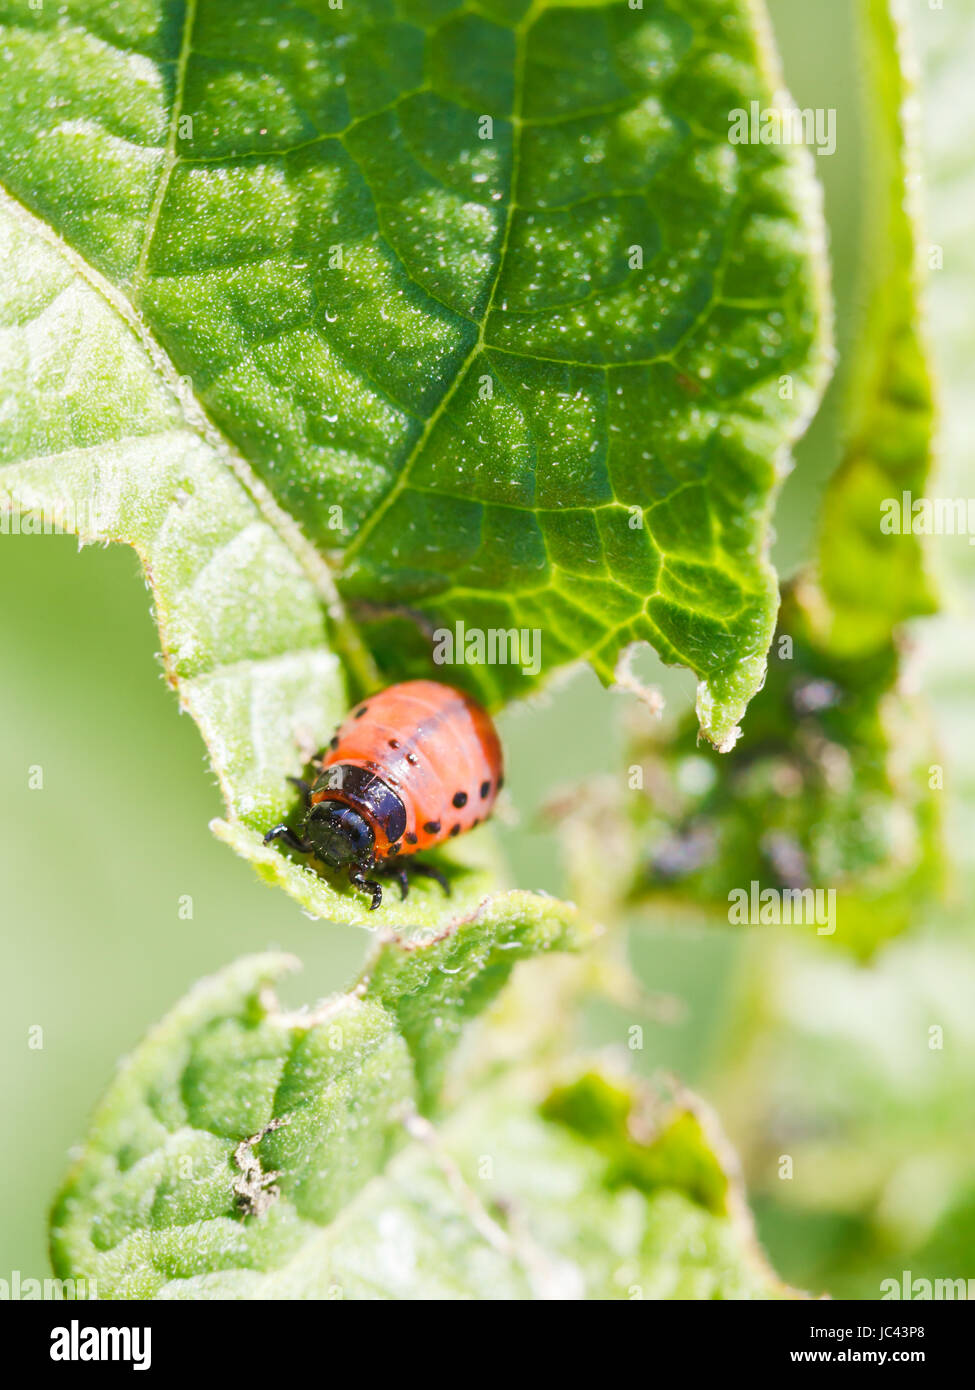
x,y
402,479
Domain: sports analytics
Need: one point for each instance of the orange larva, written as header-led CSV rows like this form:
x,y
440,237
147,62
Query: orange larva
x,y
411,766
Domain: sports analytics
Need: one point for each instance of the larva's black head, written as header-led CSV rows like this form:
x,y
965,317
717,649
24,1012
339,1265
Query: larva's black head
x,y
339,836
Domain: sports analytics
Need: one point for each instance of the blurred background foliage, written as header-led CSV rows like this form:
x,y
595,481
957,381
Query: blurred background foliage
x,y
806,1049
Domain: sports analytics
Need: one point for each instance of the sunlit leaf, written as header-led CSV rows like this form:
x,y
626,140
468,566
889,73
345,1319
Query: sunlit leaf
x,y
488,302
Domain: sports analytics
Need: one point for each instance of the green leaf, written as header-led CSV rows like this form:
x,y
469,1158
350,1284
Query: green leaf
x,y
832,791
870,582
588,1229
101,439
431,991
679,1153
471,867
424,335
836,768
96,440
349,1193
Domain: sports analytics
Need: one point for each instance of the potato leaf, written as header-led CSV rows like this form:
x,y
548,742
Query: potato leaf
x,y
244,1151
506,328
838,770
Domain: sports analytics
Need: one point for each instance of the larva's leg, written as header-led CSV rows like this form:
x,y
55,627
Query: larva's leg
x,y
393,869
285,833
429,871
367,885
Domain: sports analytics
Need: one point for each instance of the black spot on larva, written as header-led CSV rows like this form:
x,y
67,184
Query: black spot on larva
x,y
432,827
411,839
500,783
460,799
394,849
455,830
333,741
412,758
394,743
360,712
476,823
485,790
